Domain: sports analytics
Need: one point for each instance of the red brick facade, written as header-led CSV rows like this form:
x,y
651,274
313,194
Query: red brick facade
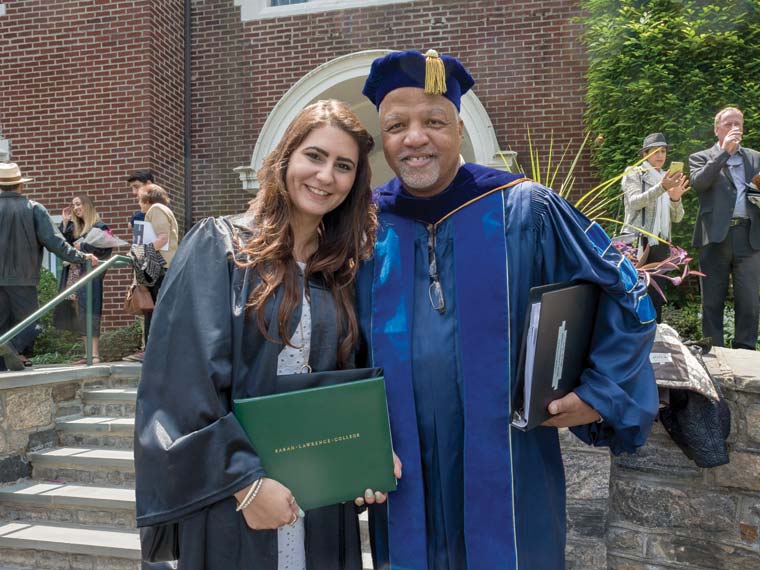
x,y
525,56
93,89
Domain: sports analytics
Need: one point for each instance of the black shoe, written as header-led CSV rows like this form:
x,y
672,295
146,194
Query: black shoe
x,y
12,359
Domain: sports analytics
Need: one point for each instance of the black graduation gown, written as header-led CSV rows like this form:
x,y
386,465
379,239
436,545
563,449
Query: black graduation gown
x,y
191,454
75,320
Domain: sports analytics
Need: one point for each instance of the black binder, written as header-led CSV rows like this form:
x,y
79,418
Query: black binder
x,y
559,323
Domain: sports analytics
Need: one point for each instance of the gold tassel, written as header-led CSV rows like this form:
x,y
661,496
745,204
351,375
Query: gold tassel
x,y
435,74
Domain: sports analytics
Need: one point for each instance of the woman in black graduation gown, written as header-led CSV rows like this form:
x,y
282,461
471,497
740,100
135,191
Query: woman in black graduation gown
x,y
78,221
247,298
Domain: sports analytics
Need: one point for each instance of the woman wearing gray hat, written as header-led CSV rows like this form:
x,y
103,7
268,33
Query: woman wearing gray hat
x,y
652,198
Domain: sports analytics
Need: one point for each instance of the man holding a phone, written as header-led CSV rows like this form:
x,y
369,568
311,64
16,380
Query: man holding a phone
x,y
727,230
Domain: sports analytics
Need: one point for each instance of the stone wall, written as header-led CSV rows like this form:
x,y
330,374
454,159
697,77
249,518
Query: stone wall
x,y
660,511
30,404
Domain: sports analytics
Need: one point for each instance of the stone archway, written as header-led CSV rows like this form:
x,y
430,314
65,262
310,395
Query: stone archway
x,y
342,78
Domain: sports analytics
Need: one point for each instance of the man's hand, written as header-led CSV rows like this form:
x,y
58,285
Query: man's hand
x,y
92,259
570,411
370,497
732,140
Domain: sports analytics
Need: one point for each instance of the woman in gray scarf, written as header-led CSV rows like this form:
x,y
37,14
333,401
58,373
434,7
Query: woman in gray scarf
x,y
652,198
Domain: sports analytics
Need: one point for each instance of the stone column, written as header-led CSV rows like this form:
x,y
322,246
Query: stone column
x,y
504,160
248,178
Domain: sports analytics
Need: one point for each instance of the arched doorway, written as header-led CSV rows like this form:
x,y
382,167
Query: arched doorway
x,y
343,78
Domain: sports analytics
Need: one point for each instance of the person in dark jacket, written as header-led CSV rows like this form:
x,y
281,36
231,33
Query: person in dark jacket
x,y
245,301
25,228
79,220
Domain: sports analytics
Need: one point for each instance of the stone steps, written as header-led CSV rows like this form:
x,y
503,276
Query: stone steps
x,y
59,546
77,513
97,431
113,402
68,503
97,466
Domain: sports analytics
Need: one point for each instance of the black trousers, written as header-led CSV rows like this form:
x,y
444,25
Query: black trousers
x,y
732,258
154,295
16,303
659,252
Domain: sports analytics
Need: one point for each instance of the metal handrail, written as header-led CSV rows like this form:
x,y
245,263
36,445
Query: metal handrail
x,y
86,281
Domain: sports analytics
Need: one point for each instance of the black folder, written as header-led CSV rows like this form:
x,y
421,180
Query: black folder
x,y
559,323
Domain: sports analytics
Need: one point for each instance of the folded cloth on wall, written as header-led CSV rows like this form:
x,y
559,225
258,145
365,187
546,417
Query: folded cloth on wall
x,y
694,412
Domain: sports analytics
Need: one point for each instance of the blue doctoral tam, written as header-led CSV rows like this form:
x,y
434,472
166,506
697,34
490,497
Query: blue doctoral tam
x,y
437,75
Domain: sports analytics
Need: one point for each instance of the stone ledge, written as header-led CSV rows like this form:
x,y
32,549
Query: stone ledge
x,y
98,424
85,457
53,495
738,369
111,395
62,374
70,540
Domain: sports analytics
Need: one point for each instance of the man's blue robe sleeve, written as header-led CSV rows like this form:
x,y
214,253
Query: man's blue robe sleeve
x,y
619,382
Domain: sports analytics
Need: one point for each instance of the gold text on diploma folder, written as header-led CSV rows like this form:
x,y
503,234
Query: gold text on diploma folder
x,y
317,443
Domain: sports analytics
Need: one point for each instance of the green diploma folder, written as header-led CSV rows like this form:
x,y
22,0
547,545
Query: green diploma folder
x,y
327,445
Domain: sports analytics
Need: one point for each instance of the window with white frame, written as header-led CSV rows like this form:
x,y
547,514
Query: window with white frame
x,y
262,9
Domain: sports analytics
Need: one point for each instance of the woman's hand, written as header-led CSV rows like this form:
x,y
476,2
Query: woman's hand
x,y
66,215
371,497
273,507
679,189
161,241
669,182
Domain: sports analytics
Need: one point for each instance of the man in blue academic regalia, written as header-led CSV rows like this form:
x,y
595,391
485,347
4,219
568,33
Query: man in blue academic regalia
x,y
442,306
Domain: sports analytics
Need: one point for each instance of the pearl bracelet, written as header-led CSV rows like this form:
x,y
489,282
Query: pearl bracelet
x,y
250,495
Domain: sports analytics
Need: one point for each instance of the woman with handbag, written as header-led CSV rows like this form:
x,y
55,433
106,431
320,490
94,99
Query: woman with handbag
x,y
652,198
82,227
154,203
248,300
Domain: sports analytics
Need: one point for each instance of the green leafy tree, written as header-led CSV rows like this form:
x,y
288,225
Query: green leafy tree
x,y
668,66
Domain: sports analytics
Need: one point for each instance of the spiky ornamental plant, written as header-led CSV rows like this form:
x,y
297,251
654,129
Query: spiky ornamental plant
x,y
597,203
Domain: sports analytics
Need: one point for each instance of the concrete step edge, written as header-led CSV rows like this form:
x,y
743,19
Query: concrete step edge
x,y
89,457
70,539
51,495
99,424
110,396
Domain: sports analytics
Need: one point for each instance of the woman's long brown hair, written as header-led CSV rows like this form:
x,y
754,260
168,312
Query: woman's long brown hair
x,y
89,216
346,234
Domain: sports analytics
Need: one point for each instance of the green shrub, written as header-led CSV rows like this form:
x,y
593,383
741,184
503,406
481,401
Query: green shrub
x,y
668,66
685,318
55,346
115,344
65,344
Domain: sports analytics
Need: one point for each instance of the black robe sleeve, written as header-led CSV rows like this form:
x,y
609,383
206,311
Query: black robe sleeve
x,y
190,451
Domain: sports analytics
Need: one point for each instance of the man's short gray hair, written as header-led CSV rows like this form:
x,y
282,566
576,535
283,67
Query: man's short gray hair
x,y
723,111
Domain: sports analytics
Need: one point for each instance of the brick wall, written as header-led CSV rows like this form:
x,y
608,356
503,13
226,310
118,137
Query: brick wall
x,y
166,99
525,56
93,89
79,109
